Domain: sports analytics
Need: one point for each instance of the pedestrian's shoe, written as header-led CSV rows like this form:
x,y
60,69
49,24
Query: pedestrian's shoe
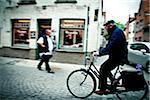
x,y
49,71
101,92
39,68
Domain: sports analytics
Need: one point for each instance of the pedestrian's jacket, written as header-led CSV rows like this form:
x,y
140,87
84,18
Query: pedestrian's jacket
x,y
44,49
117,46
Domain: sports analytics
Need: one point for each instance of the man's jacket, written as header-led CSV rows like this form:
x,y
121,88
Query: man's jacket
x,y
44,49
117,46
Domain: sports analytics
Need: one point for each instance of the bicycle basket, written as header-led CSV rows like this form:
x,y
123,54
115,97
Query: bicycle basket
x,y
133,80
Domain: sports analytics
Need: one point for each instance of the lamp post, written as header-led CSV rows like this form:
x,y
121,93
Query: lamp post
x,y
87,29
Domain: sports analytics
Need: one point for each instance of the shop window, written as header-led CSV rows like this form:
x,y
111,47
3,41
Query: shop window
x,y
20,30
71,33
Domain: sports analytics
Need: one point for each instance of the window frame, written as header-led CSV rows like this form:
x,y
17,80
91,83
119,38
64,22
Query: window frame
x,y
20,45
61,36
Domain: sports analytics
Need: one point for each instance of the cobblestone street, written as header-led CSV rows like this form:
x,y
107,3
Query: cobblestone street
x,y
27,83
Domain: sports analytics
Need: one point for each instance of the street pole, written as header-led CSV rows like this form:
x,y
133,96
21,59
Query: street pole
x,y
86,51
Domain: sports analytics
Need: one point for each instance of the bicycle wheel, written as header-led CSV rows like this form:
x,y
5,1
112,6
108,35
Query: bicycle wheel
x,y
134,94
81,83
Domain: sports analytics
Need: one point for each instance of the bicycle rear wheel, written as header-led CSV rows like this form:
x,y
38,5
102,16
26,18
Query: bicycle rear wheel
x,y
134,94
81,83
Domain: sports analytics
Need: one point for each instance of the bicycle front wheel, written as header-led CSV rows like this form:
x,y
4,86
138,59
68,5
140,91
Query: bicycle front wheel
x,y
81,83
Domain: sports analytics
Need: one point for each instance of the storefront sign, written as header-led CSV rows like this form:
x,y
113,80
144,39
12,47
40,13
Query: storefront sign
x,y
79,24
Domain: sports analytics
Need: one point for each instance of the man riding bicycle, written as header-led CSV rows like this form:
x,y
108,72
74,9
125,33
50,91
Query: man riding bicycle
x,y
116,48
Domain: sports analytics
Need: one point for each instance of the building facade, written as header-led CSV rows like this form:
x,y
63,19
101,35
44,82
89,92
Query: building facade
x,y
142,22
76,25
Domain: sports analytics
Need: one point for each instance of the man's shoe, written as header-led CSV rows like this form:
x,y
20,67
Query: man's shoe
x,y
101,92
49,71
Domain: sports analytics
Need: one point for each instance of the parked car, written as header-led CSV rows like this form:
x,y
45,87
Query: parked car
x,y
139,53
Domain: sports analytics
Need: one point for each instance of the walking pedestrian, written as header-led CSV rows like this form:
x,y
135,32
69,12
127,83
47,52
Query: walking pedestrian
x,y
45,45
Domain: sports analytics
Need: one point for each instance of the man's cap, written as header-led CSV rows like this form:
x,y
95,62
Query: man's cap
x,y
109,22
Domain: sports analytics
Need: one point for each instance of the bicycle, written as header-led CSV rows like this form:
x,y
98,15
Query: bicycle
x,y
82,83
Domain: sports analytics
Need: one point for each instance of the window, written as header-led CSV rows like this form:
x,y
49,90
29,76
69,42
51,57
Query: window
x,y
71,33
65,1
20,31
96,15
26,2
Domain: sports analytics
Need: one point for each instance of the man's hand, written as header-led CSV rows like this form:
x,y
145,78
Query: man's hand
x,y
43,46
96,53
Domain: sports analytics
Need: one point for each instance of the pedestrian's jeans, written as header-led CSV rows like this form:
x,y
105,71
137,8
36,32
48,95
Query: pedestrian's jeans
x,y
45,58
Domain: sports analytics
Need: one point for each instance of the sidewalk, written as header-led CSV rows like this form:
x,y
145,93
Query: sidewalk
x,y
34,63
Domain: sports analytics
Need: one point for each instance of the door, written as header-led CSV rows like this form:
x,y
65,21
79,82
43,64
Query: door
x,y
43,24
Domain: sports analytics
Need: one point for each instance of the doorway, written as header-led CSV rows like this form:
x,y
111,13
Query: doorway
x,y
42,24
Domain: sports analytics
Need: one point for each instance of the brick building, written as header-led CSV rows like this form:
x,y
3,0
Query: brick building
x,y
142,22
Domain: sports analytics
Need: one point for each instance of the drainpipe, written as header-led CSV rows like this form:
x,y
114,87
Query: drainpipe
x,y
88,9
100,12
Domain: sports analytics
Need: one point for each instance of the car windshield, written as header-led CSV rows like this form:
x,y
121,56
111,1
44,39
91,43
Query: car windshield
x,y
140,46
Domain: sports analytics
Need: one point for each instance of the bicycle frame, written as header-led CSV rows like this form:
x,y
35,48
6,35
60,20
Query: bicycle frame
x,y
97,73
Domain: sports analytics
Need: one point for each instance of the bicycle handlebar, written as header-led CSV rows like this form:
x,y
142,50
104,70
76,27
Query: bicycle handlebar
x,y
92,57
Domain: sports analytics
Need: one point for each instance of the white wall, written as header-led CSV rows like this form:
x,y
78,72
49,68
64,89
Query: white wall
x,y
2,7
79,2
94,27
131,29
34,12
54,12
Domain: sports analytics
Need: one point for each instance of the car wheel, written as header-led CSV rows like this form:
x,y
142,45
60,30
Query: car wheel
x,y
146,72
